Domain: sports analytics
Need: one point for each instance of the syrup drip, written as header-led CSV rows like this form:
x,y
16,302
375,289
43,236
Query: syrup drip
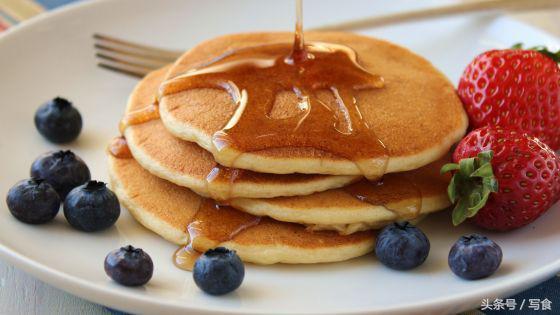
x,y
254,76
219,174
396,192
185,257
119,148
150,112
212,223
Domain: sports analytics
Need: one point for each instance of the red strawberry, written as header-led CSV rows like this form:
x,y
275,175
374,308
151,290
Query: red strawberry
x,y
514,88
503,179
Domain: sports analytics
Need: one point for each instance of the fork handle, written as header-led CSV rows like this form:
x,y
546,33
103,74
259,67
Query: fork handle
x,y
454,9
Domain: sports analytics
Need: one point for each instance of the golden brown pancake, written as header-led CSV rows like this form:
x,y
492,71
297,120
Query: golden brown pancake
x,y
187,164
167,209
338,209
160,153
417,114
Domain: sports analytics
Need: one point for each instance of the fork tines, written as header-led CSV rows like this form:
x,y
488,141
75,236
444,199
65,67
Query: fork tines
x,y
130,58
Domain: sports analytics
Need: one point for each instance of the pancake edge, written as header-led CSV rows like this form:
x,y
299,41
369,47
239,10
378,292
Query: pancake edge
x,y
258,254
240,189
368,214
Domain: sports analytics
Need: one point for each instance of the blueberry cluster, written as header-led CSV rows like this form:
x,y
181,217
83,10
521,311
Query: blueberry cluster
x,y
402,246
62,176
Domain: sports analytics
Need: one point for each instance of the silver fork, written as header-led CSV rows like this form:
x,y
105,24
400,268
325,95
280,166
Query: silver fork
x,y
130,58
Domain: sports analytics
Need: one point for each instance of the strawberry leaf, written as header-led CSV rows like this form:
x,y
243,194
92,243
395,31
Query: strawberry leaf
x,y
470,187
449,167
542,49
483,171
459,212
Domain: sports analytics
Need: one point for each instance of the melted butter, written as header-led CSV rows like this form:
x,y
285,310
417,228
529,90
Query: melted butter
x,y
254,76
119,148
212,225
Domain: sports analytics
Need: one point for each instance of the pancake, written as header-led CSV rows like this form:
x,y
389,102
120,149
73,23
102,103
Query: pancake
x,y
417,114
338,209
187,164
161,154
168,209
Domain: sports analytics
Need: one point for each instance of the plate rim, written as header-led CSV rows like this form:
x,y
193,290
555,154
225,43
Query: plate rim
x,y
108,296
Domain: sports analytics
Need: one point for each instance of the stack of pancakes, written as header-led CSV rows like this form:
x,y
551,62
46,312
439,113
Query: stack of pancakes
x,y
290,204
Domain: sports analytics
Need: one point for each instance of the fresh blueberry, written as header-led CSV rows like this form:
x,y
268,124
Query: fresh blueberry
x,y
129,266
474,257
33,201
402,246
91,207
58,121
62,169
218,271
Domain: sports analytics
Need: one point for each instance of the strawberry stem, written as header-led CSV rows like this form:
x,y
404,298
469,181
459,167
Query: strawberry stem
x,y
542,49
472,182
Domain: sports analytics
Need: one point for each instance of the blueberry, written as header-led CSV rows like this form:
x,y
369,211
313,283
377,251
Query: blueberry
x,y
474,257
218,271
129,266
58,121
62,169
402,246
91,207
33,201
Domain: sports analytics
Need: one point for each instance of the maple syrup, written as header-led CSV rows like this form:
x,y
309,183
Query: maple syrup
x,y
185,257
397,193
148,113
254,76
119,148
212,223
304,69
218,174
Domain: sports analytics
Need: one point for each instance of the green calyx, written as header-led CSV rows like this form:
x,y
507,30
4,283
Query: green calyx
x,y
542,49
472,182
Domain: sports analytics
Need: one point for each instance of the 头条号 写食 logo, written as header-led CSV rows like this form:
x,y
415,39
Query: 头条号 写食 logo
x,y
514,304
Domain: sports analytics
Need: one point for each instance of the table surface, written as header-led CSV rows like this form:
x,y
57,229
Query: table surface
x,y
20,293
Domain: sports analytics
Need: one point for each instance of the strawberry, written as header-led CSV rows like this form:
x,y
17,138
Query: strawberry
x,y
514,88
503,179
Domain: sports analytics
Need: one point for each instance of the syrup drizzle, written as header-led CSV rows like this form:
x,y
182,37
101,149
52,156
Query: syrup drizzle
x,y
215,224
245,74
254,76
148,113
397,193
119,148
299,52
219,174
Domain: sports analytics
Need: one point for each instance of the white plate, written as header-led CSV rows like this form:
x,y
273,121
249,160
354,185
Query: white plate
x,y
53,55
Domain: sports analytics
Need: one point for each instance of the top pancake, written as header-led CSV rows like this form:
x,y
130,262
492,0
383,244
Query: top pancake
x,y
417,114
186,164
